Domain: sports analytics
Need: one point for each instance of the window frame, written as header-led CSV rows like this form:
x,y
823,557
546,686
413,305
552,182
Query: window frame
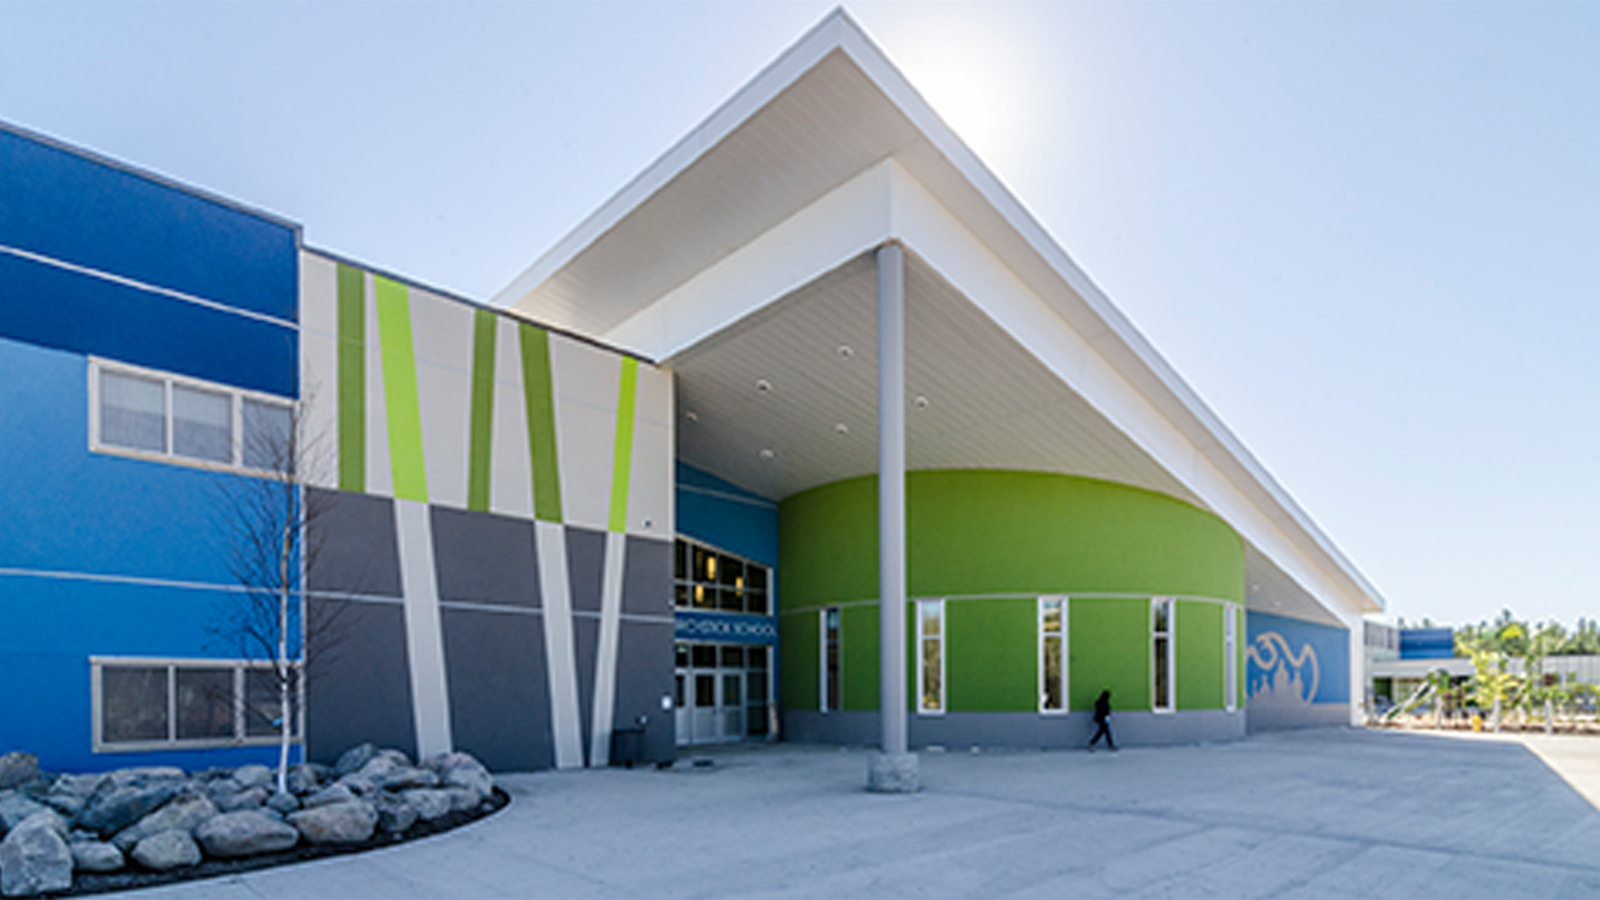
x,y
1171,637
824,670
1062,676
713,582
239,669
236,398
944,687
1230,657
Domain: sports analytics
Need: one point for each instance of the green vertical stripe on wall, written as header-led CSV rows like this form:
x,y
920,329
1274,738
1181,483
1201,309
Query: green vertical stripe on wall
x,y
400,390
483,335
352,379
539,396
622,453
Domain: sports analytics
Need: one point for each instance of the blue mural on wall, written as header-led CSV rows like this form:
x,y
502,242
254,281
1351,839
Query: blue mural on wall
x,y
1296,664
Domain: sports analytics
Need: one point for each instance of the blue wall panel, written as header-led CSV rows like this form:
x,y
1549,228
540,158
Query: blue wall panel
x,y
68,510
1427,643
1294,662
72,208
726,516
66,310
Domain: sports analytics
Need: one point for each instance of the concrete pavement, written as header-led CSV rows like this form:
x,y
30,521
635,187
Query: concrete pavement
x,y
1327,813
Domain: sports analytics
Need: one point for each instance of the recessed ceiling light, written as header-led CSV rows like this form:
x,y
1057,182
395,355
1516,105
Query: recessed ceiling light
x,y
921,402
763,385
767,454
692,416
841,428
845,352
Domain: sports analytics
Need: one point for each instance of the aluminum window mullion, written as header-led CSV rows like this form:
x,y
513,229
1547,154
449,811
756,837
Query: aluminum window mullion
x,y
172,704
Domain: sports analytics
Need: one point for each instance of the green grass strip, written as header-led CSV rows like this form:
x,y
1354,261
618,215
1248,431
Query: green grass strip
x,y
400,390
352,393
622,453
482,439
539,395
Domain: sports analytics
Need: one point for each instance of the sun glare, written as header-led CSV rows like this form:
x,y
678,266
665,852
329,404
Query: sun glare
x,y
972,76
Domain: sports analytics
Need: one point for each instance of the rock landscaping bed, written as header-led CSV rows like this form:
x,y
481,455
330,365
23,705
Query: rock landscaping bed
x,y
137,827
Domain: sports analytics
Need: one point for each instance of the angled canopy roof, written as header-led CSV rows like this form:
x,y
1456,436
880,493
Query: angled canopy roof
x,y
740,258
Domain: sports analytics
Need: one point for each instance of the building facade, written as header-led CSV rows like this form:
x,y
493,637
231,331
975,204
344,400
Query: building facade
x,y
638,502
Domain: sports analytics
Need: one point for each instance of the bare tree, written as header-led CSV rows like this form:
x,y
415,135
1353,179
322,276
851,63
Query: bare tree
x,y
267,528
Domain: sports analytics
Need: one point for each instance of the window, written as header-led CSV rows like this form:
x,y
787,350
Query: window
x,y
709,580
1052,647
1230,657
1161,631
150,414
830,659
142,704
930,656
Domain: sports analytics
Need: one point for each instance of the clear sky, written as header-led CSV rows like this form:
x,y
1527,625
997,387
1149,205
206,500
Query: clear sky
x,y
1368,234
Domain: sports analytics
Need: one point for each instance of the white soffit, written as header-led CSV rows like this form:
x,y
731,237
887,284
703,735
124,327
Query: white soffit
x,y
827,109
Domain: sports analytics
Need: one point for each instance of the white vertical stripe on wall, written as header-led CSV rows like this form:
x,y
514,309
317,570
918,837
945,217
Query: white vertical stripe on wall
x,y
319,369
585,381
565,719
605,658
430,694
442,332
510,466
380,477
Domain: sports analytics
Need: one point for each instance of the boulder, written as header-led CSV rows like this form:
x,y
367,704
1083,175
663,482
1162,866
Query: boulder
x,y
471,777
302,779
359,784
16,809
255,776
183,814
337,823
429,803
283,803
395,815
94,856
245,833
110,811
83,786
18,769
398,757
34,857
166,850
377,768
68,805
353,759
139,776
337,793
403,778
462,799
250,799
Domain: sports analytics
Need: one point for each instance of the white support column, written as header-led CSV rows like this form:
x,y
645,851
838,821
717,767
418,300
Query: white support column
x,y
566,726
605,657
894,770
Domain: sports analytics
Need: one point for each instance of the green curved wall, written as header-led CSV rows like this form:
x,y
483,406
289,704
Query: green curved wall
x,y
992,541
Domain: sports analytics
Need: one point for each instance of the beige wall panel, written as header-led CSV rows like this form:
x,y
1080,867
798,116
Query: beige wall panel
x,y
585,380
319,369
655,395
510,466
441,329
650,490
584,373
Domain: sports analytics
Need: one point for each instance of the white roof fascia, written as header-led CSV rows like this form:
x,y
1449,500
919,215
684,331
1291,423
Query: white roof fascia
x,y
1120,343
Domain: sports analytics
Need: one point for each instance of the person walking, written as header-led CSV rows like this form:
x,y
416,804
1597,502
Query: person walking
x,y
1102,718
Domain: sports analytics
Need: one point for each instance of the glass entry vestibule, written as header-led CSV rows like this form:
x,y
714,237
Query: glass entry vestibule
x,y
724,693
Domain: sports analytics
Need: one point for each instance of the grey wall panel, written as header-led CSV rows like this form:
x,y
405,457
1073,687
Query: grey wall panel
x,y
843,729
647,578
586,567
585,646
499,700
644,676
358,687
354,537
485,558
1284,718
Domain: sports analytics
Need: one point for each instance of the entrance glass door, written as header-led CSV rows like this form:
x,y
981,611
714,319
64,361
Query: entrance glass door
x,y
723,693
